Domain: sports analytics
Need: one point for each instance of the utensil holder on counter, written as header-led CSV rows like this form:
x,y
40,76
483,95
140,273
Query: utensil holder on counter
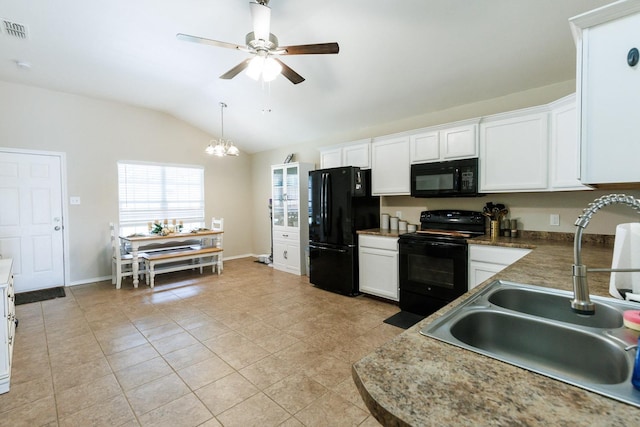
x,y
494,230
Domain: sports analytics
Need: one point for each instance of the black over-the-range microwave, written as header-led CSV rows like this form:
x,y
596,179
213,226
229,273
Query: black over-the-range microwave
x,y
453,178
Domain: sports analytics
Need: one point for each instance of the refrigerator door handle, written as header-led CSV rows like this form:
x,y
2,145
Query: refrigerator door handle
x,y
325,201
329,198
322,248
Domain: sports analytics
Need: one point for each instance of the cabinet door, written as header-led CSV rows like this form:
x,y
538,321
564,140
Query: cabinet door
x,y
280,255
292,196
331,158
357,155
460,142
481,271
425,147
277,197
610,103
564,149
390,167
513,154
378,272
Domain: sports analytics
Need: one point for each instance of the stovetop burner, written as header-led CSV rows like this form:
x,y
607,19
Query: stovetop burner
x,y
448,225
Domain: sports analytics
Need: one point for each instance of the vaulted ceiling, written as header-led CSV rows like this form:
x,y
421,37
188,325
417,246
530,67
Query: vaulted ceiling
x,y
397,59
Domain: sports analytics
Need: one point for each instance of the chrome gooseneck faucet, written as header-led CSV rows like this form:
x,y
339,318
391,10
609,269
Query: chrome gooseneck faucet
x,y
581,303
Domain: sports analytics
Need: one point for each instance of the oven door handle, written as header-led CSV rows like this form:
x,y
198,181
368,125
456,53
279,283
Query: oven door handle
x,y
422,244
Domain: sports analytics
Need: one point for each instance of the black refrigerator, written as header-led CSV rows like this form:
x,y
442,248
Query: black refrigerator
x,y
340,203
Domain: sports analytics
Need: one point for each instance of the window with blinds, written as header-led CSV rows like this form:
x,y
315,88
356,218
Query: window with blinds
x,y
150,192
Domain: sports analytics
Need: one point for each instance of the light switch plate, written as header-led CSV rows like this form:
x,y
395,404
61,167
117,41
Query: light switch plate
x,y
554,219
74,200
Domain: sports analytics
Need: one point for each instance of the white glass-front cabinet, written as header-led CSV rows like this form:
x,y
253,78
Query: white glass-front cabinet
x,y
608,76
290,215
8,316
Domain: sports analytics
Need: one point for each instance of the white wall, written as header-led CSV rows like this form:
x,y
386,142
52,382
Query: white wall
x,y
95,134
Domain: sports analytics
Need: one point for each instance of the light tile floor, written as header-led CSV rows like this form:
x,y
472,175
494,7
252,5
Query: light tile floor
x,y
253,346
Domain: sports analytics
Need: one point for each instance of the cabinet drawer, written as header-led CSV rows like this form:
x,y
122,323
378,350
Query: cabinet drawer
x,y
496,255
289,236
378,242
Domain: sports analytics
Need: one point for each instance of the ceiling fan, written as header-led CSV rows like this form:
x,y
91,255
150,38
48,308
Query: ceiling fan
x,y
264,47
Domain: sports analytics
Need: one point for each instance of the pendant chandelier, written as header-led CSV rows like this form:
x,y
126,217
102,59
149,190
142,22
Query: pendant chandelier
x,y
222,147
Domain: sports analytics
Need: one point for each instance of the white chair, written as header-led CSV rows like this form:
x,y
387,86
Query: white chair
x,y
217,224
121,262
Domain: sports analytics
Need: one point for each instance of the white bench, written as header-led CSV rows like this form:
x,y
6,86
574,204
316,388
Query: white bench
x,y
174,260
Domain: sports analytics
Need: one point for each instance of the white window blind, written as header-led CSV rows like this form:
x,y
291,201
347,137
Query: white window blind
x,y
150,192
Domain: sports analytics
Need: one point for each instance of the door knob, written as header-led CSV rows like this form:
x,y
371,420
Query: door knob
x,y
57,228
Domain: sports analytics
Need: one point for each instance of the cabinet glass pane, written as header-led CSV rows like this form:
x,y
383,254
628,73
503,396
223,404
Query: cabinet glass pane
x,y
278,197
292,196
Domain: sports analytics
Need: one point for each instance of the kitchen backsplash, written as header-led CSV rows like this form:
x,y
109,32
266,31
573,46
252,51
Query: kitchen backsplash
x,y
532,210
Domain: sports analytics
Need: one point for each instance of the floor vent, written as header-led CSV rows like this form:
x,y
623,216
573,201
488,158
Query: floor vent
x,y
14,29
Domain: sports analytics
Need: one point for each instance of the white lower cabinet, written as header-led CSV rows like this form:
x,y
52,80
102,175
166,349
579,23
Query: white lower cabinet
x,y
8,326
485,261
378,265
286,252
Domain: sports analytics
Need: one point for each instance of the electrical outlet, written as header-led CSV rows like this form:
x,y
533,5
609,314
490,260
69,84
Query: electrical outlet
x,y
399,214
554,219
74,200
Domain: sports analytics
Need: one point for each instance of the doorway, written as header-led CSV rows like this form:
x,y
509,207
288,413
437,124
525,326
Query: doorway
x,y
31,217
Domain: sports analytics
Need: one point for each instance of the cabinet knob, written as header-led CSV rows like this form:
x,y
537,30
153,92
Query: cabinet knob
x,y
632,57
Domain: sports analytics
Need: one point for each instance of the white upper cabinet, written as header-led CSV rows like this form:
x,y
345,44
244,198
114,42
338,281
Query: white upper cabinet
x,y
609,92
390,167
564,146
447,142
330,157
513,151
356,153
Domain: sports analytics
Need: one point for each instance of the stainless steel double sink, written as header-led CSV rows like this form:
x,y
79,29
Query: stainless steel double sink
x,y
534,328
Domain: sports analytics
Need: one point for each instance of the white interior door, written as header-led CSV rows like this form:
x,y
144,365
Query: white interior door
x,y
31,219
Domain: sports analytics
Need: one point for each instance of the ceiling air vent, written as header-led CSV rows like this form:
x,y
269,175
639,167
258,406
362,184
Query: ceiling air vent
x,y
14,29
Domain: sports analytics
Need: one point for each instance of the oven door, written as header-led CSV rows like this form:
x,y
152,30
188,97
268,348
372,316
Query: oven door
x,y
433,268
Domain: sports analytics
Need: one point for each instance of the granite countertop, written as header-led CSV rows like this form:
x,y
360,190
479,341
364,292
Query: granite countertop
x,y
420,381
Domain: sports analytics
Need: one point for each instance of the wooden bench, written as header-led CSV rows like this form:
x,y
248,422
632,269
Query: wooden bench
x,y
173,260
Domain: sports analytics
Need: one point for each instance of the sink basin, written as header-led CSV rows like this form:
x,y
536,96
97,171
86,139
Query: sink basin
x,y
534,328
543,345
553,306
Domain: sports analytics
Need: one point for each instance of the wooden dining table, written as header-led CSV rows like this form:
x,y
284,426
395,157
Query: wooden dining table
x,y
138,241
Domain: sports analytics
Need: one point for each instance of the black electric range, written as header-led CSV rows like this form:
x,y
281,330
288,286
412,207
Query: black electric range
x,y
433,261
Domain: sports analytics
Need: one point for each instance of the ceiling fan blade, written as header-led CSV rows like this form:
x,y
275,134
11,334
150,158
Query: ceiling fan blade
x,y
236,70
261,16
196,39
311,49
293,77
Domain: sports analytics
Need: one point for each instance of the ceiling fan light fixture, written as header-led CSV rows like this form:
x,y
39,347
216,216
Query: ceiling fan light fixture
x,y
271,69
254,70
